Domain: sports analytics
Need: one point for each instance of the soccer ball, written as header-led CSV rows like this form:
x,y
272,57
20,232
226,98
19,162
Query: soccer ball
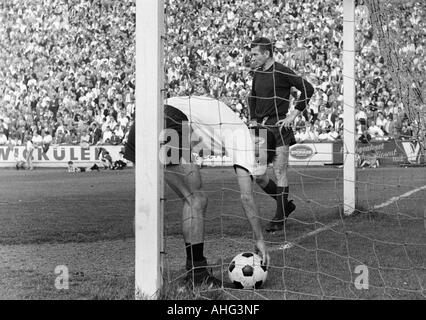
x,y
247,271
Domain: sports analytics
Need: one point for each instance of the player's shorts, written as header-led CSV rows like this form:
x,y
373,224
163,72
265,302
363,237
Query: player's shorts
x,y
265,144
282,137
267,139
129,148
176,122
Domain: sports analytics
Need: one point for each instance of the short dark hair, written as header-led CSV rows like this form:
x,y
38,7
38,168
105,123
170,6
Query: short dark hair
x,y
264,44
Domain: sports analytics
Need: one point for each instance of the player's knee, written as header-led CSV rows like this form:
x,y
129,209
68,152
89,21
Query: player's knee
x,y
247,199
199,201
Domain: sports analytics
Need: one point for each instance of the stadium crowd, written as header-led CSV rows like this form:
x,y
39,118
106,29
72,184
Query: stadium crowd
x,y
67,71
208,47
67,68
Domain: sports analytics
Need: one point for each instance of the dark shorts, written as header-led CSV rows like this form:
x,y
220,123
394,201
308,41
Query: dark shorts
x,y
174,120
129,148
283,136
264,142
275,138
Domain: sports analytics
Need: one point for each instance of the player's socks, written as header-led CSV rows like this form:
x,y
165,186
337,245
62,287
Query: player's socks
x,y
196,265
271,189
284,209
277,222
282,199
194,252
195,260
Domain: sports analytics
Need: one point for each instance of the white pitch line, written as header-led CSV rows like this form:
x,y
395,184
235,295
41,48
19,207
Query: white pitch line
x,y
394,199
290,245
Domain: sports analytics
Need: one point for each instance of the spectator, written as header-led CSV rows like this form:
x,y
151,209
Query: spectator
x,y
37,140
365,137
381,121
374,131
333,135
390,128
59,138
46,140
3,138
107,135
312,135
97,133
406,131
29,148
323,136
85,138
361,116
115,140
302,135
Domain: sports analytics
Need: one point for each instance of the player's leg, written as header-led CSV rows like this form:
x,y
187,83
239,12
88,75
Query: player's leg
x,y
246,190
245,184
185,180
265,150
281,172
284,207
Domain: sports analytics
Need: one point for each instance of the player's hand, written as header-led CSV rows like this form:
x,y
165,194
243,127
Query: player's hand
x,y
252,124
285,123
261,248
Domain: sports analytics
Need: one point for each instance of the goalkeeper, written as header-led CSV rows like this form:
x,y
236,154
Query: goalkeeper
x,y
183,176
269,109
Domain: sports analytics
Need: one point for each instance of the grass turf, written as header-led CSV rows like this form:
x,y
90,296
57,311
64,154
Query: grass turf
x,y
50,207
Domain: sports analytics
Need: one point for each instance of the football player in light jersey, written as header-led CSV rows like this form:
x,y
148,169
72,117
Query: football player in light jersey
x,y
209,120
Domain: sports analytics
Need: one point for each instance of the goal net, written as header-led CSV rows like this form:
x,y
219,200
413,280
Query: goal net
x,y
376,253
397,29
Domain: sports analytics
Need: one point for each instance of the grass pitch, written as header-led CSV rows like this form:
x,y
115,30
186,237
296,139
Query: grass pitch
x,y
84,221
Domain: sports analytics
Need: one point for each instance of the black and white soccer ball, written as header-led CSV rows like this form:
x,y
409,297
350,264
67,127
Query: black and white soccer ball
x,y
247,271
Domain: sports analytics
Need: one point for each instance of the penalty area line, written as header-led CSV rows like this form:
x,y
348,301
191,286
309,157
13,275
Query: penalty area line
x,y
395,199
291,244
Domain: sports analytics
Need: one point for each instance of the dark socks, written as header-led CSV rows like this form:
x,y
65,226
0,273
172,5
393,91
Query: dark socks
x,y
194,252
282,202
271,189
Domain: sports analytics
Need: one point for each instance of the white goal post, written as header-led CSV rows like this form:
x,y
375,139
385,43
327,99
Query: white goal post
x,y
349,104
149,171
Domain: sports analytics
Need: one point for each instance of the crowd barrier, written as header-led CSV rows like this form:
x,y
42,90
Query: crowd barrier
x,y
391,152
57,156
388,153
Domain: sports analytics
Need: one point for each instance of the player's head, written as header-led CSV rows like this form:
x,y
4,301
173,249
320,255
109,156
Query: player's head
x,y
70,163
261,51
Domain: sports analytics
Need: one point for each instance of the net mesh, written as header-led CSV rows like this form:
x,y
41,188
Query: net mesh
x,y
399,30
377,253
